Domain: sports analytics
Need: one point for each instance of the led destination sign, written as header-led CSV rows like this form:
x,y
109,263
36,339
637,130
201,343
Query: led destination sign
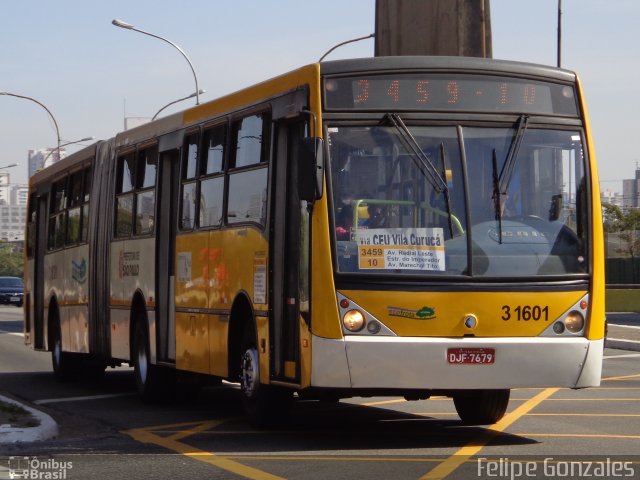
x,y
442,92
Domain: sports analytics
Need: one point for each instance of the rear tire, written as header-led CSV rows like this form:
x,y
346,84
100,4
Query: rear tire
x,y
481,407
265,405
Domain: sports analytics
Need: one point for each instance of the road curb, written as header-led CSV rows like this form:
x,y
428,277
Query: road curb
x,y
621,344
47,429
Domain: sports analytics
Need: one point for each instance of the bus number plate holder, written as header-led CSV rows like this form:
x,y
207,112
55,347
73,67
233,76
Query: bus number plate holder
x,y
471,356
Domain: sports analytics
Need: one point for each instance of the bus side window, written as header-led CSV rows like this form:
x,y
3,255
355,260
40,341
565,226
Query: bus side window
x,y
32,216
211,181
145,196
57,214
189,184
247,201
85,205
74,215
124,195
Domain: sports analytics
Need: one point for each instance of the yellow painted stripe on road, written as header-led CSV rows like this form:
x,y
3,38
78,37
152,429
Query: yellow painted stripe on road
x,y
383,402
465,453
146,435
580,435
624,377
604,399
583,415
192,431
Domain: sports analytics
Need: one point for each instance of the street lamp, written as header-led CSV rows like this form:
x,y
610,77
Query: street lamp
x,y
86,139
9,166
128,26
194,94
24,97
559,33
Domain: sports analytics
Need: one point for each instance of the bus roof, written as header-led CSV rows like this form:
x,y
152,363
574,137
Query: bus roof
x,y
470,64
64,164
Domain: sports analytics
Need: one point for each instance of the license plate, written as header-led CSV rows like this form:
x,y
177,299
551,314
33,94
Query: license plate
x,y
14,299
471,356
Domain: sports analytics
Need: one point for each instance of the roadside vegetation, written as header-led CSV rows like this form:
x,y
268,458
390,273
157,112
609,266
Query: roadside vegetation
x,y
11,261
16,416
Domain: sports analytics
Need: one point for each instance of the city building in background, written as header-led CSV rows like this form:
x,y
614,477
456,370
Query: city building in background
x,y
12,221
13,209
38,158
631,191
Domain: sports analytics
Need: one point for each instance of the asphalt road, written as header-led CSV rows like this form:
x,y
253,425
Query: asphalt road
x,y
106,431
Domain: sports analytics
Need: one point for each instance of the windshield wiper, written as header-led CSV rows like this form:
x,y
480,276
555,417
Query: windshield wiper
x,y
447,197
501,182
497,196
423,161
512,155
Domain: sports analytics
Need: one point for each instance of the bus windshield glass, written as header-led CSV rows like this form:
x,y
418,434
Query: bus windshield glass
x,y
435,201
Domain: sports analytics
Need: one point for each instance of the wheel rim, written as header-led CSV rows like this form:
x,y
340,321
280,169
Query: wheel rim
x,y
249,372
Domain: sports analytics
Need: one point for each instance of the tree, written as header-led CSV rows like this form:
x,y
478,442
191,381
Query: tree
x,y
626,225
11,262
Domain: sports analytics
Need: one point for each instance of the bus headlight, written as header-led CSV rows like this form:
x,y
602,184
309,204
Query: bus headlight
x,y
353,320
574,321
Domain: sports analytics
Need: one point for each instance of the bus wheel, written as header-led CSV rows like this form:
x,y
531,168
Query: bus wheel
x,y
146,374
64,367
265,405
481,407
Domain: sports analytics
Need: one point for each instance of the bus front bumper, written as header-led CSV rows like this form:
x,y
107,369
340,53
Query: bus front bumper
x,y
364,362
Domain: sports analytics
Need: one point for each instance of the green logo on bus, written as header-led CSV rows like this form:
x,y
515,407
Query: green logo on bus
x,y
79,270
425,313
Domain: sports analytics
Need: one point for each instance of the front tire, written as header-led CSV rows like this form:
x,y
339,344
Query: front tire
x,y
481,407
64,366
265,405
148,377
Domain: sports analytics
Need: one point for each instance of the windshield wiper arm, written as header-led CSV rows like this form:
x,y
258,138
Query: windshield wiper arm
x,y
512,155
497,196
424,162
447,197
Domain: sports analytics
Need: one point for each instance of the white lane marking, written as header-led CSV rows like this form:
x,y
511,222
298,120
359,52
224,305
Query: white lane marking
x,y
82,399
628,355
17,334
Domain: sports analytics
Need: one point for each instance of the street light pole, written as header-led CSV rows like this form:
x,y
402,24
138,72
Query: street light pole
x,y
177,101
24,97
86,139
559,33
128,26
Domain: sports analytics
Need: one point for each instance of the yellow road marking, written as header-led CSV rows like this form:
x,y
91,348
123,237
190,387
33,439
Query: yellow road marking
x,y
383,402
624,377
147,435
583,415
579,435
471,449
192,431
594,399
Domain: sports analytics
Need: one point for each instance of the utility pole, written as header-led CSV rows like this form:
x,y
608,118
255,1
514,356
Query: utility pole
x,y
433,27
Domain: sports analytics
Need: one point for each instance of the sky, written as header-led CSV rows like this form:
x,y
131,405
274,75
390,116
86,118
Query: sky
x,y
91,74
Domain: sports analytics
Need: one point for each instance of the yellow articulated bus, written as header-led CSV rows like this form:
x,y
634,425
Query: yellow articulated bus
x,y
385,226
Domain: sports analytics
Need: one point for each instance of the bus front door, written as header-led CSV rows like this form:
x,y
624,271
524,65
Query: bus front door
x,y
289,282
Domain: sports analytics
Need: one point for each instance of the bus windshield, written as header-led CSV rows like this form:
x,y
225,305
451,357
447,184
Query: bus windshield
x,y
436,200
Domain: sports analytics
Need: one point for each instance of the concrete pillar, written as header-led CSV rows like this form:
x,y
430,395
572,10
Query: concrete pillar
x,y
433,27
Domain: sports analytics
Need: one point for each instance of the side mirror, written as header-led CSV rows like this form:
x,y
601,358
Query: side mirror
x,y
311,169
